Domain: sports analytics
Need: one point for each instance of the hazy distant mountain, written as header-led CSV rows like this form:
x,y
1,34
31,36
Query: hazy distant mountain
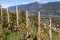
x,y
52,8
32,7
47,8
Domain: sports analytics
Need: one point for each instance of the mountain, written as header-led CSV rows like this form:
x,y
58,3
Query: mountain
x,y
48,9
51,6
32,7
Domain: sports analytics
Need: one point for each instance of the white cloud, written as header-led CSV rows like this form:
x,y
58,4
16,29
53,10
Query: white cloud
x,y
38,1
23,3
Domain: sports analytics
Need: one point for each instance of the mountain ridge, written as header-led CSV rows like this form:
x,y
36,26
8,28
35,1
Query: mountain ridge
x,y
28,7
34,7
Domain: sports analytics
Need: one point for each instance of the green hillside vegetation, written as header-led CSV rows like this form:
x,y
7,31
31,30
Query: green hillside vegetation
x,y
19,33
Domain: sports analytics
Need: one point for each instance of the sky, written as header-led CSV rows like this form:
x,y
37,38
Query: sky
x,y
8,3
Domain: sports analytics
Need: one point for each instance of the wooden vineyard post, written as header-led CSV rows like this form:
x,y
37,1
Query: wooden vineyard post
x,y
38,34
8,18
50,29
27,22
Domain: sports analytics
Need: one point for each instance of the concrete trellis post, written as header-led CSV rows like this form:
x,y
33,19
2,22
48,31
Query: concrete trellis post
x,y
17,16
27,22
45,25
1,20
1,17
8,18
1,13
59,33
50,28
38,35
